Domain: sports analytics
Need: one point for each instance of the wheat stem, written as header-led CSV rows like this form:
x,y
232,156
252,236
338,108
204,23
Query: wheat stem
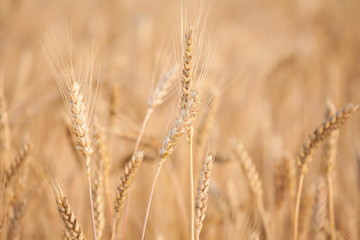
x,y
297,205
192,199
320,133
91,200
146,119
150,200
331,207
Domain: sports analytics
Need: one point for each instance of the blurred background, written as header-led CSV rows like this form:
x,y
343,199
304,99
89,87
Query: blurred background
x,y
275,63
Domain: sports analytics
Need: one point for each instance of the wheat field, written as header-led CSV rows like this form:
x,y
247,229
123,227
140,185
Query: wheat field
x,y
210,120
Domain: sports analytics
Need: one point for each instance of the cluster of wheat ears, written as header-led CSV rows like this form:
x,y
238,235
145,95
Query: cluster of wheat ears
x,y
107,208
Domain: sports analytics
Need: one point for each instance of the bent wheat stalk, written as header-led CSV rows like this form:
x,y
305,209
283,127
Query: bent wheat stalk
x,y
186,87
320,133
156,98
81,131
17,163
122,190
182,125
77,95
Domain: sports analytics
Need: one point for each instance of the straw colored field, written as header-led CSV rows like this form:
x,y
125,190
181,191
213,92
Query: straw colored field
x,y
251,80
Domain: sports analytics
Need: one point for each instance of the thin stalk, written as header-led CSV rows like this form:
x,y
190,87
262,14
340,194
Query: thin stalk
x,y
331,207
297,206
113,237
126,215
138,141
110,210
264,218
147,117
90,195
192,199
150,200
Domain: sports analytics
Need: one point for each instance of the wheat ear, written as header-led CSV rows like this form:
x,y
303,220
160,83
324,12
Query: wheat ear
x,y
182,126
17,163
68,217
18,202
202,195
66,235
77,95
98,199
16,219
156,98
103,162
319,210
321,133
186,87
330,151
82,134
254,182
122,189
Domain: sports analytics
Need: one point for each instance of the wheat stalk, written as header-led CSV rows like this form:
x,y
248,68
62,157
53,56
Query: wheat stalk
x,y
306,211
186,87
67,215
18,202
16,220
162,88
320,133
202,195
81,130
182,125
77,95
17,163
156,98
122,189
